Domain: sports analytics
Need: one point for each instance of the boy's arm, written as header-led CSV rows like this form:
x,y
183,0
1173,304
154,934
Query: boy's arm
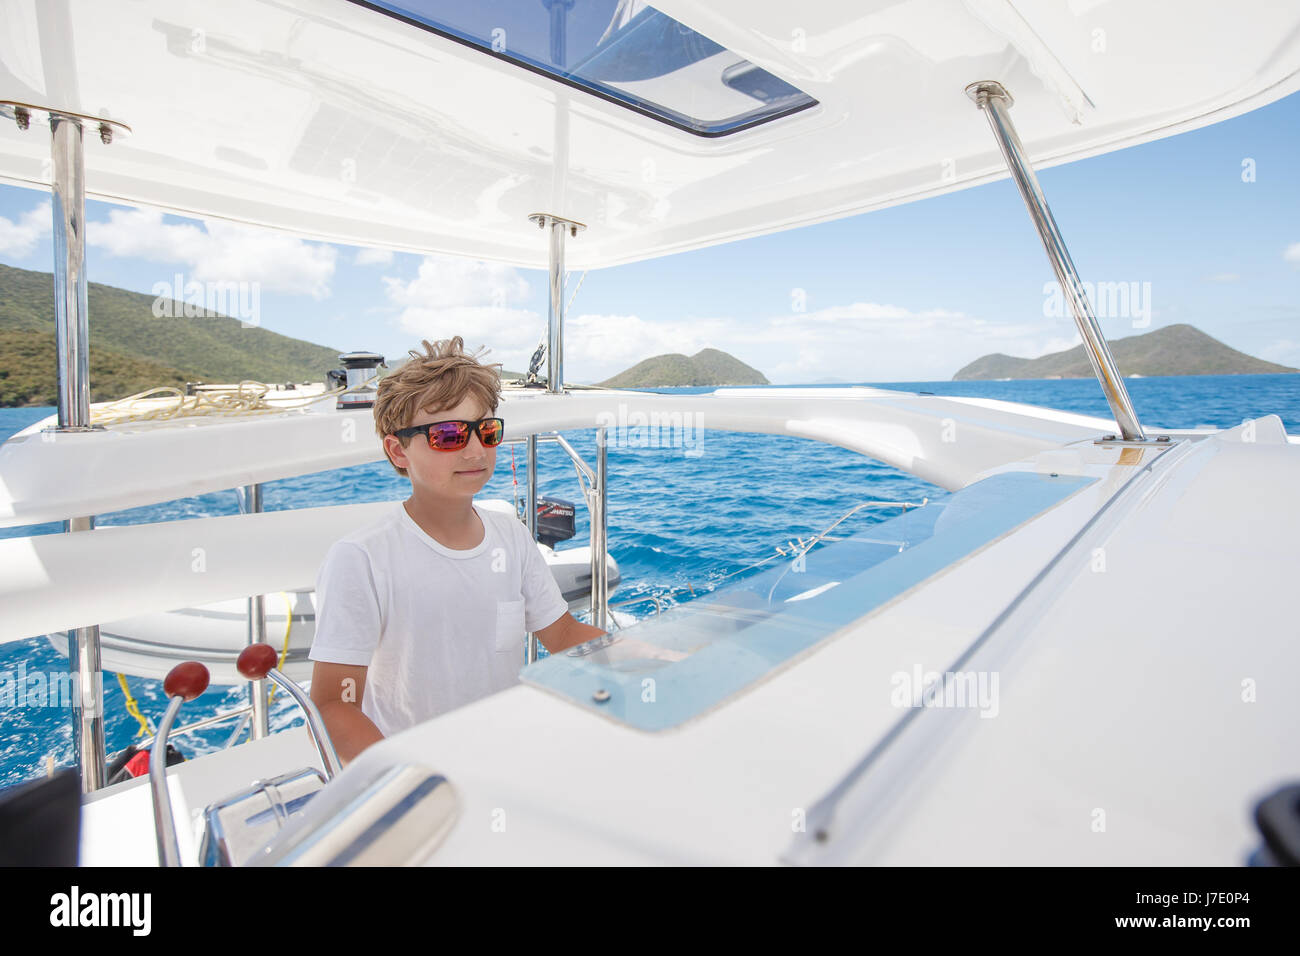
x,y
542,599
566,632
336,690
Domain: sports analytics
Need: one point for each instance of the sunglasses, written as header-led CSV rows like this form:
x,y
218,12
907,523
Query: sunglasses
x,y
454,435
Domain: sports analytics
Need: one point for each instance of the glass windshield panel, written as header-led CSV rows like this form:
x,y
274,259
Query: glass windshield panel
x,y
668,669
621,50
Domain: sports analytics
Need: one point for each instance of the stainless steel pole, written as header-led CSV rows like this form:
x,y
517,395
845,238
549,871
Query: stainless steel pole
x,y
994,101
169,850
554,356
72,345
71,323
72,371
530,653
250,502
555,318
329,757
599,542
559,10
87,681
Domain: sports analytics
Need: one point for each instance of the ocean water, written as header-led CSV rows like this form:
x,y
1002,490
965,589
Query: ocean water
x,y
682,521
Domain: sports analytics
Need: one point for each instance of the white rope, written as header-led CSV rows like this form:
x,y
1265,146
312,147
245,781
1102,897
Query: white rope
x,y
246,398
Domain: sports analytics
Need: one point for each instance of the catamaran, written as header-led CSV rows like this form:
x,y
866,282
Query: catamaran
x,y
980,680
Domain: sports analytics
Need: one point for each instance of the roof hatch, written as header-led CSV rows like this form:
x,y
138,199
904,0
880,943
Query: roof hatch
x,y
624,51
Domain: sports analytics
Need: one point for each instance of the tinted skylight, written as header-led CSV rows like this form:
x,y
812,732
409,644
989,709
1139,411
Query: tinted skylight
x,y
621,50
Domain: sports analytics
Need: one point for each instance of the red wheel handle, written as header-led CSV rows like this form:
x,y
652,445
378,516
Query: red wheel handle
x,y
186,680
256,660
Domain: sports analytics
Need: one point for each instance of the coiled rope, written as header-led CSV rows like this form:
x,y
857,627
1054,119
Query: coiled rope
x,y
246,398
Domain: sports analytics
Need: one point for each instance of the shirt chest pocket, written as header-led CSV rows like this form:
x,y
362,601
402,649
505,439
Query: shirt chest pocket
x,y
510,627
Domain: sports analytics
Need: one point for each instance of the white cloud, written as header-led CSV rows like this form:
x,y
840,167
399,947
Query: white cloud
x,y
1283,352
1292,254
19,238
479,301
865,313
452,281
1051,345
859,342
614,342
488,304
219,251
373,257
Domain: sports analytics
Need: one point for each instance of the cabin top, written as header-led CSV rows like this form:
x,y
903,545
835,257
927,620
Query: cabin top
x,y
441,125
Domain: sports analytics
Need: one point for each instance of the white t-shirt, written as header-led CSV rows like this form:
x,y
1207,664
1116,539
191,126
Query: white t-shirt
x,y
437,628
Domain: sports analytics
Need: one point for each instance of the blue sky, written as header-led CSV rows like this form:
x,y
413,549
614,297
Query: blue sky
x,y
910,293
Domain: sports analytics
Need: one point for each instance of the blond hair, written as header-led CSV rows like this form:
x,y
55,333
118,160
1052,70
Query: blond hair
x,y
439,379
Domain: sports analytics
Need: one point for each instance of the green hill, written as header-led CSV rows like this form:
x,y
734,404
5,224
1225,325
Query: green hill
x,y
131,350
27,375
1172,350
706,367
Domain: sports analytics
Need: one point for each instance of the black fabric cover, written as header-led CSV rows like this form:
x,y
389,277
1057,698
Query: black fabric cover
x,y
40,821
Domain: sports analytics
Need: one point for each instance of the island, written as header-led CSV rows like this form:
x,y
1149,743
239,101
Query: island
x,y
1170,350
707,367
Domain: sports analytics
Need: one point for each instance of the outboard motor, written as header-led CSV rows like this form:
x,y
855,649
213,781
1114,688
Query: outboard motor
x,y
359,368
554,520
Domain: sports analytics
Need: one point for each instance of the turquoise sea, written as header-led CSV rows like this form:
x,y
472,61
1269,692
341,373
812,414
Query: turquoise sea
x,y
680,523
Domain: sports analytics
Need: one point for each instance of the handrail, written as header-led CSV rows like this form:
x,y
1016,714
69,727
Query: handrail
x,y
184,682
198,725
594,496
257,663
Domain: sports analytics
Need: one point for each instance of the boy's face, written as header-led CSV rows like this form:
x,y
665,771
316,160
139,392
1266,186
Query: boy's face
x,y
457,475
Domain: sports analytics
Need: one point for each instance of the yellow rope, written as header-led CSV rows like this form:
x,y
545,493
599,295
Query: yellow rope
x,y
133,707
284,650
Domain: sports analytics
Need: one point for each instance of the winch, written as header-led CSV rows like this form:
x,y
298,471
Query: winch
x,y
359,368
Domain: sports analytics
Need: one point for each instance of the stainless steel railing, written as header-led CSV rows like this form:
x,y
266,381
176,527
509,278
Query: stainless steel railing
x,y
594,496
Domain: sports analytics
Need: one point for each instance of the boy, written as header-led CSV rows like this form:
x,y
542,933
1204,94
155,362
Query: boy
x,y
425,610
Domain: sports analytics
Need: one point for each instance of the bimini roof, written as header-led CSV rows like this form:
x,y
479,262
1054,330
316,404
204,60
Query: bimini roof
x,y
440,125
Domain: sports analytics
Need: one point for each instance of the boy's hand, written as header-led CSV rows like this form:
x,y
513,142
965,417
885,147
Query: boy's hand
x,y
336,690
566,632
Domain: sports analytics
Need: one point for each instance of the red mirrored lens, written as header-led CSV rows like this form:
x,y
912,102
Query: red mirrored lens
x,y
448,436
491,431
